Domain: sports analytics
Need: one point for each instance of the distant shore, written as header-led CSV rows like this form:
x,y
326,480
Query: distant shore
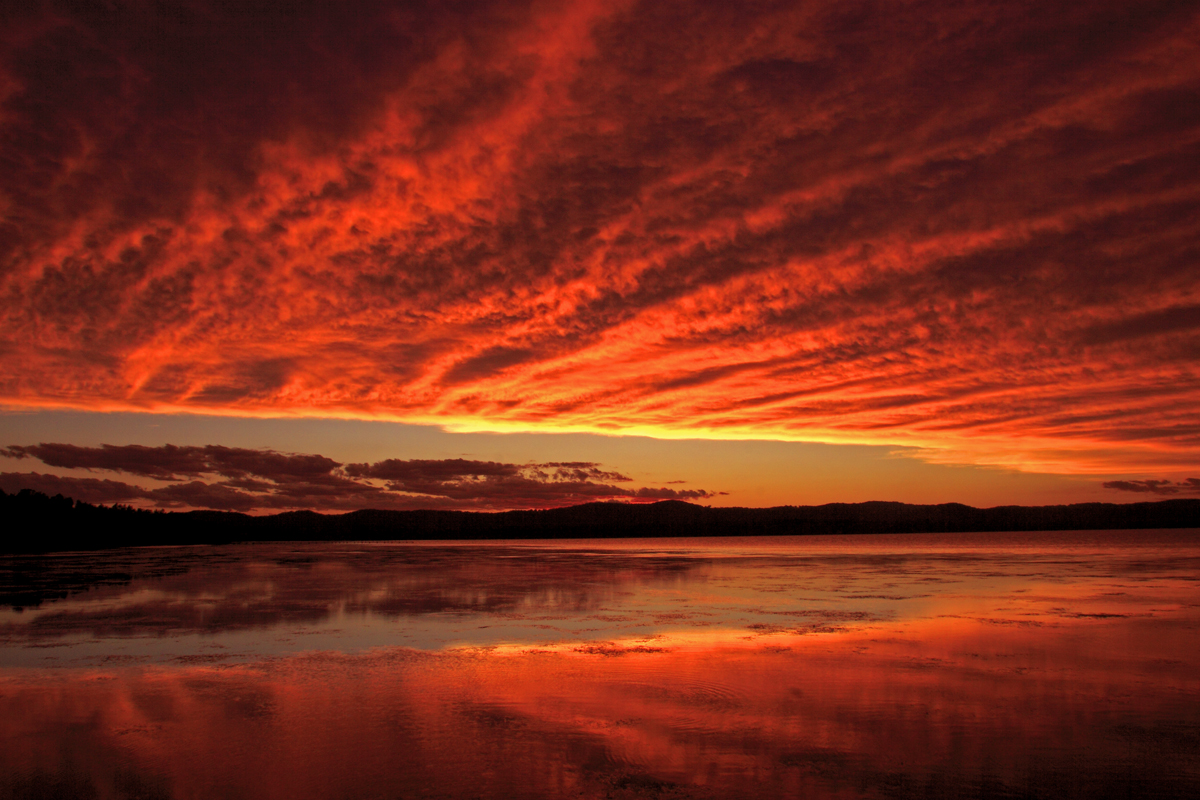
x,y
38,523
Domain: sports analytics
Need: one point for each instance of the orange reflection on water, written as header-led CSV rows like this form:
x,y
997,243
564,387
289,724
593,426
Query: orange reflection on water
x,y
1083,707
989,665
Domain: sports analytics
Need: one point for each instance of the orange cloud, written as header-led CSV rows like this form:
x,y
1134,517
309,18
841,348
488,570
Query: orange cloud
x,y
970,230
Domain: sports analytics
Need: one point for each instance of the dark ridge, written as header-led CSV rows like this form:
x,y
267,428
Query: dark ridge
x,y
37,523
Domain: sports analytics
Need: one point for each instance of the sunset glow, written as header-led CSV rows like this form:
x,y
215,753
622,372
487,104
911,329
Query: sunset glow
x,y
971,231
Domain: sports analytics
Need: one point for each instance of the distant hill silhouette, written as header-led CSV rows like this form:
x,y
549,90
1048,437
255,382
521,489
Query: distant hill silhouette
x,y
35,522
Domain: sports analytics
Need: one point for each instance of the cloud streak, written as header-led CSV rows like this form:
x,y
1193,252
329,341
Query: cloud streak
x,y
1156,486
971,230
242,479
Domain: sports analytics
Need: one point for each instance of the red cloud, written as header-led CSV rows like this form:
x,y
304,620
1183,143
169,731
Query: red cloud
x,y
967,228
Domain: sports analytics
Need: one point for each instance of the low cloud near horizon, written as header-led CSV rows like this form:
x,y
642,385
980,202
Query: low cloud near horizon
x,y
244,479
1156,486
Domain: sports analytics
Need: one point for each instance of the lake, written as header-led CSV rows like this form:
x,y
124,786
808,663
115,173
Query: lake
x,y
965,665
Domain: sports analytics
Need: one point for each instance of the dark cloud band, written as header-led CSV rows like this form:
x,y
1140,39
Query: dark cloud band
x,y
247,479
1156,486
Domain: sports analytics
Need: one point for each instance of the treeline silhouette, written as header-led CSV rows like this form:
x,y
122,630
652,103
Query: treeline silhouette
x,y
38,523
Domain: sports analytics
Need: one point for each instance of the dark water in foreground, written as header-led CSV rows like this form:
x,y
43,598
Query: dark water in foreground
x,y
982,665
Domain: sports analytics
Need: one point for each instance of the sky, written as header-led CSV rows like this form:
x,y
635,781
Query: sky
x,y
490,255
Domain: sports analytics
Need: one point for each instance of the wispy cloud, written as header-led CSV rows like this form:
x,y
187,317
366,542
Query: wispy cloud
x,y
967,228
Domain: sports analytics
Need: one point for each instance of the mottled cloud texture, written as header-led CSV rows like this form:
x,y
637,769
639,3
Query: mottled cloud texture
x,y
968,227
241,479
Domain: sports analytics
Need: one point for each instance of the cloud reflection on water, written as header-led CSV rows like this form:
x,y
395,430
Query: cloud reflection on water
x,y
881,667
957,707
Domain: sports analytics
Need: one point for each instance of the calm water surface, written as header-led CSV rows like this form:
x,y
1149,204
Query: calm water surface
x,y
981,665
